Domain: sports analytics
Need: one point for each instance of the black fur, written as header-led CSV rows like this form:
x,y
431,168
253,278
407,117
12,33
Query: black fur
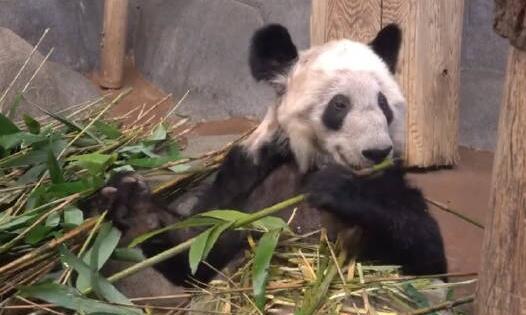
x,y
335,112
384,105
387,45
396,225
272,52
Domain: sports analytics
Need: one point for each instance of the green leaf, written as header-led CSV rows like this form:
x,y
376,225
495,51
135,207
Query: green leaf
x,y
123,168
180,168
138,149
55,171
152,162
39,154
158,134
7,126
69,298
71,124
198,248
32,125
128,254
94,163
73,217
416,296
188,223
105,242
217,230
271,223
18,221
99,284
263,256
16,102
225,215
107,130
12,140
53,220
32,174
37,234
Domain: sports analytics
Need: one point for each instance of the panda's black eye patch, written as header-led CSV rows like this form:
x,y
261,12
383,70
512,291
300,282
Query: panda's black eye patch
x,y
384,105
336,111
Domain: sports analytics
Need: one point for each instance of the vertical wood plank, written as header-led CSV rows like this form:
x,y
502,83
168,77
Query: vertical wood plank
x,y
113,43
429,74
502,284
359,20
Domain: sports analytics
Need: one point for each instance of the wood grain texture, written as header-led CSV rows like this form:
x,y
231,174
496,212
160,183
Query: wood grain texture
x,y
113,44
502,284
359,20
429,74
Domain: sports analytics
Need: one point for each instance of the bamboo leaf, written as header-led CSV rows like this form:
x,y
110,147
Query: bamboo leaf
x,y
32,125
159,133
73,216
94,163
12,140
7,126
128,254
71,299
198,248
37,234
71,124
55,171
217,230
32,175
107,130
101,286
188,223
263,256
105,242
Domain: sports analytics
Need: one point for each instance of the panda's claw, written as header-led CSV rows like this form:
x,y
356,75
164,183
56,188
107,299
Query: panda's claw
x,y
126,196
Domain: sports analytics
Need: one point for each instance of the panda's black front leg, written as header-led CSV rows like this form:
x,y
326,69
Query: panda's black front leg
x,y
397,227
240,172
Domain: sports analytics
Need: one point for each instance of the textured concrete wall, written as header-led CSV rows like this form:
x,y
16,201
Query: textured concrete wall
x,y
482,76
202,46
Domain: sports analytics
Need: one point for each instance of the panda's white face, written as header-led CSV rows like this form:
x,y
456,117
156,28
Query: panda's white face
x,y
337,101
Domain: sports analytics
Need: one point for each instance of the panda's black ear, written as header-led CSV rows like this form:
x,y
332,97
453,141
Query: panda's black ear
x,y
387,45
271,52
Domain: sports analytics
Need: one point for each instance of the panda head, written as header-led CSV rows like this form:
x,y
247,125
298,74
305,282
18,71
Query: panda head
x,y
338,100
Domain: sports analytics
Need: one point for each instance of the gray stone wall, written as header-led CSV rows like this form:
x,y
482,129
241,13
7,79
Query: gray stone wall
x,y
483,68
202,46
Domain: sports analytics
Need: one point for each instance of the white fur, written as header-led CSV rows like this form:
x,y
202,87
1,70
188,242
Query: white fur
x,y
344,67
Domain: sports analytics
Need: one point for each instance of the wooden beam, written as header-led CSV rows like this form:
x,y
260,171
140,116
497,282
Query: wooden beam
x,y
113,46
359,20
502,281
429,74
428,69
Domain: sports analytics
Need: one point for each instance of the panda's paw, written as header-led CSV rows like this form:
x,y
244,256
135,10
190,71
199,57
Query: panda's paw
x,y
126,197
330,188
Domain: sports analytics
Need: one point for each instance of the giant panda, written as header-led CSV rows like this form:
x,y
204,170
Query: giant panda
x,y
338,109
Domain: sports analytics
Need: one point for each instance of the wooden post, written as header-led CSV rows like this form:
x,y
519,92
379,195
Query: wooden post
x,y
502,281
428,69
113,43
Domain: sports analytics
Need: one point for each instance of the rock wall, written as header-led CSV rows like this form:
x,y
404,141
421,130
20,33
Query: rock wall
x,y
54,87
202,46
483,68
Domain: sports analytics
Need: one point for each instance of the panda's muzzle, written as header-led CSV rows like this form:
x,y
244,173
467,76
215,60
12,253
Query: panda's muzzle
x,y
377,155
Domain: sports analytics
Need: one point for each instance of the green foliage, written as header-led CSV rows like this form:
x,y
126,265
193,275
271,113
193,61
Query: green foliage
x,y
262,257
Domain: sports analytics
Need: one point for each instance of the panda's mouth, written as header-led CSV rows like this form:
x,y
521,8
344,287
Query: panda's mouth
x,y
343,158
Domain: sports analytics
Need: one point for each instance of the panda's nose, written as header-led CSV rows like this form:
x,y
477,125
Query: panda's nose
x,y
377,155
